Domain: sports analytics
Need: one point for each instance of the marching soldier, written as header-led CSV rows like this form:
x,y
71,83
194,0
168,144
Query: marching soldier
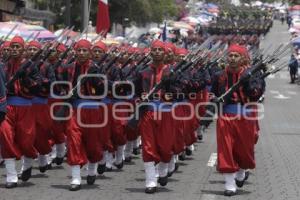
x,y
157,138
58,136
3,102
83,137
235,136
5,51
18,129
43,121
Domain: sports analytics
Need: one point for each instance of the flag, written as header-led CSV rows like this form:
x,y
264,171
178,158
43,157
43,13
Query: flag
x,y
103,21
164,33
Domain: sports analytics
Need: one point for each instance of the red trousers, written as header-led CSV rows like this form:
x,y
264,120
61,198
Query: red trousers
x,y
130,132
43,126
105,131
17,133
202,97
190,126
58,128
235,144
179,141
257,128
118,134
157,137
84,144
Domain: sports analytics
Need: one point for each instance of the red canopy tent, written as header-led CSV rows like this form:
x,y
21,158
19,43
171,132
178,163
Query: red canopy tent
x,y
295,7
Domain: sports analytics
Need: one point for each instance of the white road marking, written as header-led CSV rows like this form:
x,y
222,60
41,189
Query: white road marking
x,y
208,197
281,96
291,92
274,92
212,160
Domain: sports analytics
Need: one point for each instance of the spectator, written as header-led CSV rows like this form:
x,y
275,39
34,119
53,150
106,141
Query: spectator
x,y
293,68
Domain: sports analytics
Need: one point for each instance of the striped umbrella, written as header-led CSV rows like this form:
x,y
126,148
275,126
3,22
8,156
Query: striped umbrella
x,y
26,31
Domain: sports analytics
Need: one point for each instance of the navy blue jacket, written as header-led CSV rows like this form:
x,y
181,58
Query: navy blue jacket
x,y
3,102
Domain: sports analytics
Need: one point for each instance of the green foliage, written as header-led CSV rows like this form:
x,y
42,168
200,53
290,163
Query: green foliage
x,y
163,9
294,2
138,12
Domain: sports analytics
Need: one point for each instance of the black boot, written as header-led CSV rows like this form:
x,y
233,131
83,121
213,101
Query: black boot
x,y
171,173
188,152
229,193
26,175
150,190
10,185
182,156
200,132
91,180
128,159
163,181
108,169
200,137
176,167
43,169
136,151
74,187
101,169
247,173
59,160
119,166
239,183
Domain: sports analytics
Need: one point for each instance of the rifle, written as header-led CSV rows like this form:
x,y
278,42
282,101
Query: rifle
x,y
111,62
175,72
65,53
37,35
8,34
260,65
29,37
51,49
137,64
178,70
273,71
25,66
73,94
100,35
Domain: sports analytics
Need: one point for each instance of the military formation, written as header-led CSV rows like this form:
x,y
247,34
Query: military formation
x,y
96,105
241,20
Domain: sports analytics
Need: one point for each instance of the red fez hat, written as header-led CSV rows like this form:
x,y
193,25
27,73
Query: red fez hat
x,y
181,51
35,44
132,50
83,44
146,50
100,45
158,43
5,44
17,39
170,46
61,48
121,49
237,48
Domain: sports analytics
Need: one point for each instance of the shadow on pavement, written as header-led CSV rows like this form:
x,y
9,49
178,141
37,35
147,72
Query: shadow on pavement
x,y
142,190
221,193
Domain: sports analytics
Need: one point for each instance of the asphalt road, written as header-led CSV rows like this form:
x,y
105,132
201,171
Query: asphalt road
x,y
276,177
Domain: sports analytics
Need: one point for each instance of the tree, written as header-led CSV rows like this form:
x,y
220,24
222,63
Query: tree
x,y
139,12
163,10
142,11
